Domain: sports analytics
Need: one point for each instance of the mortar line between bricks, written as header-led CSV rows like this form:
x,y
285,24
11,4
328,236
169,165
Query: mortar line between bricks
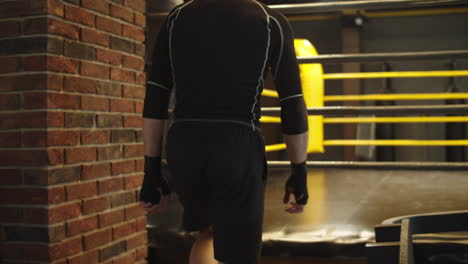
x,y
137,233
107,195
102,246
59,129
133,251
111,66
116,208
22,18
53,129
122,239
66,92
24,186
72,93
69,165
42,206
97,179
95,61
81,217
103,229
70,75
32,225
22,55
62,110
111,3
121,207
56,36
96,13
98,29
66,165
65,147
120,255
75,93
52,35
90,180
22,37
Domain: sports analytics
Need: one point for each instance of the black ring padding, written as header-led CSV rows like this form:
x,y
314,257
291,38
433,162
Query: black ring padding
x,y
450,215
386,57
437,222
376,165
377,110
339,6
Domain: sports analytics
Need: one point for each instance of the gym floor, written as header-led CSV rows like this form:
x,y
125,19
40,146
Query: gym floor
x,y
346,204
343,208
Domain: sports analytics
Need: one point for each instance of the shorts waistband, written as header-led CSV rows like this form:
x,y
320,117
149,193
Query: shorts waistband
x,y
252,125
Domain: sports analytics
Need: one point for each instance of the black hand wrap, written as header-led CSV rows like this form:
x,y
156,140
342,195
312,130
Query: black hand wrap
x,y
298,183
152,181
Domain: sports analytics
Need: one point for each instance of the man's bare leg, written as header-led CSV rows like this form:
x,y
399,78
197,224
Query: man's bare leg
x,y
202,250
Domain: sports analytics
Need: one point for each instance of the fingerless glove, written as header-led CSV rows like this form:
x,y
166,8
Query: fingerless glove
x,y
153,180
297,184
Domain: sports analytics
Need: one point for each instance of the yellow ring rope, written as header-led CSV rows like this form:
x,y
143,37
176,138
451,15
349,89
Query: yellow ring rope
x,y
391,142
413,74
346,120
366,97
418,119
312,80
395,142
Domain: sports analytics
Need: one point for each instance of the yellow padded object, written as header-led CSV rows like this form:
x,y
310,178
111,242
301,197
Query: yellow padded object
x,y
313,90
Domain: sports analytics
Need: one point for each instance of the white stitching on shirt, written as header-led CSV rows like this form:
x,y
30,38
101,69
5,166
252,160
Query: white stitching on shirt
x,y
261,78
281,48
171,28
158,85
289,97
177,12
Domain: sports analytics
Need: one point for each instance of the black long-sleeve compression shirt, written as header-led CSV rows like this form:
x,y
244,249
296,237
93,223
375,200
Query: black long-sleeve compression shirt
x,y
215,55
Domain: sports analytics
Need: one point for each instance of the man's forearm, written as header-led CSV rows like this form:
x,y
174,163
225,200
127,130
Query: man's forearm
x,y
297,147
153,131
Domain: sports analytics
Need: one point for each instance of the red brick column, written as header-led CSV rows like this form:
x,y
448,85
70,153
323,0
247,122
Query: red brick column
x,y
71,95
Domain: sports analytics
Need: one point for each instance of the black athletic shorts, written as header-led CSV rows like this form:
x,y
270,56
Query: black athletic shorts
x,y
218,170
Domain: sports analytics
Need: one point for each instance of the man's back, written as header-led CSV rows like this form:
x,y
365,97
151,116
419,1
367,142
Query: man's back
x,y
216,55
219,58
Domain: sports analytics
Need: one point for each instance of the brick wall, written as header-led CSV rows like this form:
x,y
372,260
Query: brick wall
x,y
71,96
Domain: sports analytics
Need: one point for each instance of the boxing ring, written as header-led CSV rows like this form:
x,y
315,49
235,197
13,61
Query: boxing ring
x,y
348,199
